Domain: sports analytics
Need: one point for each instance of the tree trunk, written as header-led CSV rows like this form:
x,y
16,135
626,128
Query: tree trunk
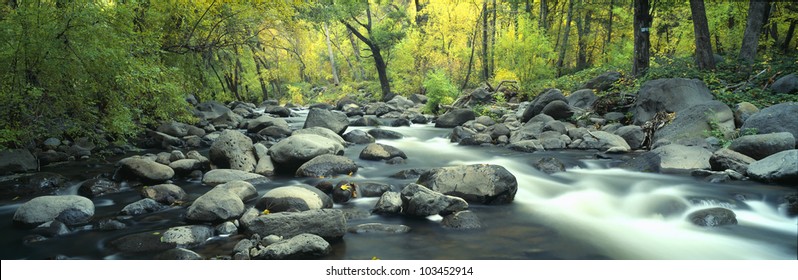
x,y
564,46
703,47
356,50
379,62
491,54
785,46
582,31
330,51
608,40
753,27
544,13
471,57
642,44
485,70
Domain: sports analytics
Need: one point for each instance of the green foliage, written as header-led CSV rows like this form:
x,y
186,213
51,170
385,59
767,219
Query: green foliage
x,y
524,53
440,90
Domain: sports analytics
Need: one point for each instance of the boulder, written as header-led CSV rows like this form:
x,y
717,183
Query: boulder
x,y
233,150
558,109
481,183
179,254
321,131
583,98
186,166
604,141
38,184
695,122
763,145
673,157
187,236
264,122
776,118
97,187
211,109
49,156
228,120
164,193
292,152
141,243
163,140
400,102
781,167
455,118
265,166
330,224
379,133
221,176
142,206
243,189
327,165
713,217
68,209
372,189
359,137
461,220
367,121
275,132
279,111
144,169
302,246
333,120
17,160
669,95
389,203
293,198
173,128
723,159
218,204
633,135
527,146
742,111
540,102
549,165
376,151
786,84
603,82
420,201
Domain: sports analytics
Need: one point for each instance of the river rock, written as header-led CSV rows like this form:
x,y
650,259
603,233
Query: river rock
x,y
141,243
263,122
330,224
145,170
389,203
211,109
218,204
292,152
265,166
540,102
763,145
781,167
669,95
527,146
173,128
68,209
786,84
549,165
359,137
420,201
481,183
333,120
321,131
279,111
243,189
50,156
164,193
603,82
372,189
558,109
143,206
97,187
694,122
293,198
51,229
327,165
727,159
187,236
633,135
180,254
17,160
455,118
672,157
367,121
742,111
229,120
776,118
583,98
376,151
379,133
302,246
604,141
379,228
713,217
221,176
38,184
233,150
461,220
186,166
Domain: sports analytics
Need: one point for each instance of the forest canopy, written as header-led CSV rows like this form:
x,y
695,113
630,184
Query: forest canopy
x,y
107,69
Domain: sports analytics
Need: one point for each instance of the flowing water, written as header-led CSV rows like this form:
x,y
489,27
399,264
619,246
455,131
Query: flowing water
x,y
592,211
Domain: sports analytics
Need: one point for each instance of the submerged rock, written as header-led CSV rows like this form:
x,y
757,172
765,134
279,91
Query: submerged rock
x,y
68,209
713,217
330,224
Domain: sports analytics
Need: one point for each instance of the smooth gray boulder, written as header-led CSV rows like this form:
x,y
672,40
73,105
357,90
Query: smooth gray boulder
x,y
218,204
17,160
713,217
333,120
221,176
776,118
144,169
539,103
293,198
480,183
455,118
669,95
330,224
292,152
604,141
187,236
763,145
164,193
727,159
781,167
389,203
143,206
302,246
697,121
376,151
326,166
68,209
462,220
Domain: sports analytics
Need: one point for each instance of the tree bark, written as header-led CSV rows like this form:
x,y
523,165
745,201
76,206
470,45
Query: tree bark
x,y
471,57
753,27
703,46
785,46
608,40
485,69
544,13
642,43
583,29
330,51
379,62
356,51
564,46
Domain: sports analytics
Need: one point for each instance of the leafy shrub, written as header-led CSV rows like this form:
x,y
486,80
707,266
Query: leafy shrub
x,y
440,90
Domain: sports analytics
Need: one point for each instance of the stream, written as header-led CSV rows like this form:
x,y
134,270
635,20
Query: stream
x,y
591,211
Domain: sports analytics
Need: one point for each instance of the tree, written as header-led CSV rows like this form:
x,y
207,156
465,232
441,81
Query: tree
x,y
753,27
703,47
564,45
642,43
330,51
